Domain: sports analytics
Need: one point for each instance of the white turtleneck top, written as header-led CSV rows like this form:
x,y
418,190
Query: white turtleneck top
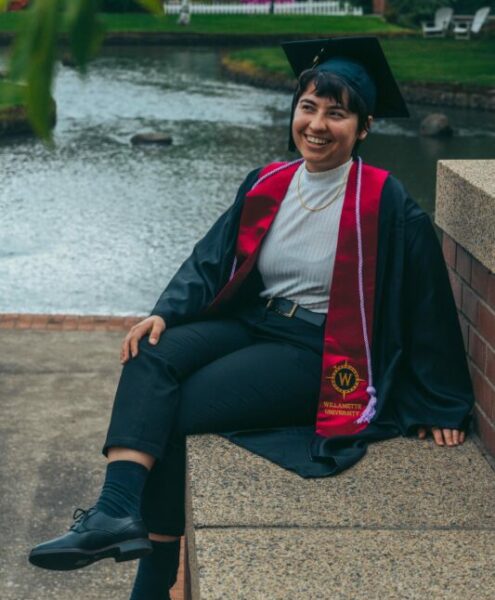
x,y
297,256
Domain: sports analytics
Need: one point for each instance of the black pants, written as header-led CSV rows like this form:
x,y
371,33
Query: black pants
x,y
255,370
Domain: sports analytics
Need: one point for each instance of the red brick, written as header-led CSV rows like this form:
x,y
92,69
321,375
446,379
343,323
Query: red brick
x,y
55,319
486,325
490,365
57,326
477,349
490,401
449,249
8,324
119,321
463,263
470,304
484,394
24,321
485,430
86,319
123,321
456,285
70,324
471,368
39,321
479,387
177,592
7,317
85,326
464,330
130,321
490,299
24,317
480,277
101,318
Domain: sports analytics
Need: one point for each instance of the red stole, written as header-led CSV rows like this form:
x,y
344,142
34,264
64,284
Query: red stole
x,y
344,405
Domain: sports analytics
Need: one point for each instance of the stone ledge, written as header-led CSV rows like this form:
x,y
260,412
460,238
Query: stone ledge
x,y
312,564
232,487
256,531
465,202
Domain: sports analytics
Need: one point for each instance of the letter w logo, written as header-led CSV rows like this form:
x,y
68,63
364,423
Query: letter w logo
x,y
345,379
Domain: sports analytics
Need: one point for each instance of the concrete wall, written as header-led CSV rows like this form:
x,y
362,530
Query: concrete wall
x,y
465,212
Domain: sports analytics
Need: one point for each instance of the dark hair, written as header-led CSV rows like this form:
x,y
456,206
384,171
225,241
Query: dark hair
x,y
329,85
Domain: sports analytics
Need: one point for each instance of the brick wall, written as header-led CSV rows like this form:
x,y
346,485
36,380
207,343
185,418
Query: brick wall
x,y
67,322
473,286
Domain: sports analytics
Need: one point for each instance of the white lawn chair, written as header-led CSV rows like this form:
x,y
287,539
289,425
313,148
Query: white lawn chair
x,y
464,29
441,23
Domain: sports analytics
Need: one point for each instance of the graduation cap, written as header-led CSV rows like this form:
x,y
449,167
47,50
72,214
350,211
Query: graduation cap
x,y
360,62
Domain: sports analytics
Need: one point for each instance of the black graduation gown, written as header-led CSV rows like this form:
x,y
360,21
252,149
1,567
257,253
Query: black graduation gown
x,y
419,363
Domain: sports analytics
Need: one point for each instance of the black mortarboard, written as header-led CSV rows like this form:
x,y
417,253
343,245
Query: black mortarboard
x,y
360,62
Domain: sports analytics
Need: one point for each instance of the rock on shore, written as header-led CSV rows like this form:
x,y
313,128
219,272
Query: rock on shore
x,y
436,125
164,139
14,121
13,113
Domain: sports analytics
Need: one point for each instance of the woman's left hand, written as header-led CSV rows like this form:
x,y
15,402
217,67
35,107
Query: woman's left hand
x,y
443,437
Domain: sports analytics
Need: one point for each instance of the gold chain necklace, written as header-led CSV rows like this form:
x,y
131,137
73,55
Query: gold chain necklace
x,y
303,203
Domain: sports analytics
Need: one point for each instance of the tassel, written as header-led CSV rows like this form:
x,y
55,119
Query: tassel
x,y
370,410
232,271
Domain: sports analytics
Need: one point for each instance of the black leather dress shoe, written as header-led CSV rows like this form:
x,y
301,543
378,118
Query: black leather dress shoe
x,y
93,536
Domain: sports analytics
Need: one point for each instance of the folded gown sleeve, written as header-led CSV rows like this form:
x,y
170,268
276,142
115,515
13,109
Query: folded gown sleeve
x,y
434,388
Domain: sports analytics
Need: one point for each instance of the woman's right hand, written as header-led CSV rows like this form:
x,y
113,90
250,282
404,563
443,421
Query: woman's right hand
x,y
153,325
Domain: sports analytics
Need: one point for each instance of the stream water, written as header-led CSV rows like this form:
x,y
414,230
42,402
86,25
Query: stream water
x,y
98,226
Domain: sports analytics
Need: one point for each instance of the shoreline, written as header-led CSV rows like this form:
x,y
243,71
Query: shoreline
x,y
424,93
157,38
433,94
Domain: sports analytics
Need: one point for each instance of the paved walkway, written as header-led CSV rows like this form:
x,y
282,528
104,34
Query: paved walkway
x,y
56,391
57,381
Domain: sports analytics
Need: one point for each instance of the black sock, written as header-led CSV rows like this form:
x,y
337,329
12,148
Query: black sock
x,y
157,572
122,489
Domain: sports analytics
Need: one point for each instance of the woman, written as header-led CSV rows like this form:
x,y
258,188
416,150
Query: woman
x,y
321,291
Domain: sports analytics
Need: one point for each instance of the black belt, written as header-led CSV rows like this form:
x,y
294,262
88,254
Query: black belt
x,y
289,309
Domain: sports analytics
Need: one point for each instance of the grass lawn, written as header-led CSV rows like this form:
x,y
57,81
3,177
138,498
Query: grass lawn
x,y
231,24
468,62
412,58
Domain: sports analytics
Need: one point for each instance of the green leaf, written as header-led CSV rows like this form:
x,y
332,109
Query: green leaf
x,y
84,30
33,62
12,94
152,6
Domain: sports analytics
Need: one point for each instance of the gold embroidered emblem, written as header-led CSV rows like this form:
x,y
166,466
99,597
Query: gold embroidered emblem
x,y
344,379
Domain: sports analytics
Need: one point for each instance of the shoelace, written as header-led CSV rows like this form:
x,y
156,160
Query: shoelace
x,y
80,514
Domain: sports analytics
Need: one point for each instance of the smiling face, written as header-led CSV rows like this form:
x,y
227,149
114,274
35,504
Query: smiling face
x,y
324,131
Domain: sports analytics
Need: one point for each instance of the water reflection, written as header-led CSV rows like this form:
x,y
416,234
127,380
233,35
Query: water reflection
x,y
99,226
